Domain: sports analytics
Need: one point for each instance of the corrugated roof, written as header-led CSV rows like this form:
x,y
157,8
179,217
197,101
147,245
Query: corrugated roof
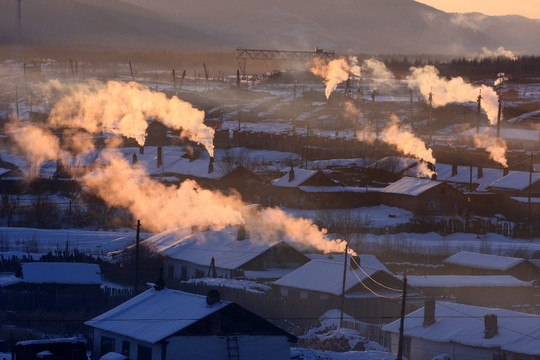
x,y
453,281
515,180
411,186
483,261
61,273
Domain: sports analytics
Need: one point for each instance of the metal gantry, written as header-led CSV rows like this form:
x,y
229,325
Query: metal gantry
x,y
243,54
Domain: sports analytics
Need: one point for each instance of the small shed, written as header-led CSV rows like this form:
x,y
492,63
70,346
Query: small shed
x,y
164,324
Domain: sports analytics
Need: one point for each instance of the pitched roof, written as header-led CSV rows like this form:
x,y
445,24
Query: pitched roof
x,y
483,261
326,276
411,186
464,324
515,180
201,246
453,281
61,273
300,177
155,315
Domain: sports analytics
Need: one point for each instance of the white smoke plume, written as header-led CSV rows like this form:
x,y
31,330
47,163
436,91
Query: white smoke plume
x,y
427,80
501,77
500,52
496,147
161,207
356,69
123,109
37,145
333,73
378,69
407,142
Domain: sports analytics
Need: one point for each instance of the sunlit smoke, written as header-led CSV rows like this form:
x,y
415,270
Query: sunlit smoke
x,y
406,141
496,147
161,207
333,73
378,69
37,145
501,77
427,80
422,170
124,109
500,52
356,69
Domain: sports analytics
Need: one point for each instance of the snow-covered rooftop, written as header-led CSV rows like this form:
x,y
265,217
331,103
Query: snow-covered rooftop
x,y
326,276
300,176
515,180
411,186
8,279
201,246
463,176
154,315
507,133
61,273
452,281
483,261
464,324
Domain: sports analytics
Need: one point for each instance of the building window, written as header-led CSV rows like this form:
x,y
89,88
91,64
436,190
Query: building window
x,y
433,204
125,348
144,352
107,345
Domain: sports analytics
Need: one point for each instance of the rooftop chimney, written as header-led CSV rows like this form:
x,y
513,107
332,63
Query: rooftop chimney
x,y
213,297
240,233
355,262
160,283
291,174
505,171
429,312
159,157
454,169
211,164
134,161
480,172
141,149
490,325
431,166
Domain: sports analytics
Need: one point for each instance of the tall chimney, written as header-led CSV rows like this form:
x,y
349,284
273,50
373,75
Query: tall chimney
x,y
505,171
134,160
431,166
211,164
159,157
141,149
429,312
291,174
454,169
480,172
490,325
240,232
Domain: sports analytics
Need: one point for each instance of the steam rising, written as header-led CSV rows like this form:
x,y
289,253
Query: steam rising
x,y
123,109
333,73
378,69
500,52
427,80
496,147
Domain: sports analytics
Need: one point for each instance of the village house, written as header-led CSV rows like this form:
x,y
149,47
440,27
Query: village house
x,y
165,324
424,197
481,290
471,263
467,332
227,253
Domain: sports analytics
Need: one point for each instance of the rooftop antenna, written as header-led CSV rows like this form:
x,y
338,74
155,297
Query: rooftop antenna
x,y
20,52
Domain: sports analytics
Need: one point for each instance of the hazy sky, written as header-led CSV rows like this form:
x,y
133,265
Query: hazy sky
x,y
528,8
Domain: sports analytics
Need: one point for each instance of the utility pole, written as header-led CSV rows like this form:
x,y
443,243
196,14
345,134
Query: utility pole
x,y
131,71
411,93
343,285
402,322
430,116
137,239
499,116
479,101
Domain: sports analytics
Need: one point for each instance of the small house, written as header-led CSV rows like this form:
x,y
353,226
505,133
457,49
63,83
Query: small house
x,y
466,332
170,324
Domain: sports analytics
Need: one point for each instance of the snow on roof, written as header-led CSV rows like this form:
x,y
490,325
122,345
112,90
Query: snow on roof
x,y
326,276
113,356
507,133
411,186
483,261
4,171
333,189
155,315
300,176
452,281
463,176
515,180
71,340
8,279
61,273
201,246
464,324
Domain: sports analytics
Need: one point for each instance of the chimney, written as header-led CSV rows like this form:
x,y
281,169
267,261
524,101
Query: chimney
x,y
240,232
505,171
431,166
429,312
134,161
211,165
213,297
490,325
159,157
160,283
454,169
141,150
480,172
291,174
355,262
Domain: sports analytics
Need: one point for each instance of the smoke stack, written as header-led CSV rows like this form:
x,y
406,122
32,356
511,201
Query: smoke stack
x,y
211,164
505,171
159,157
480,172
291,174
240,233
141,150
160,283
454,169
213,297
429,312
431,166
490,325
134,160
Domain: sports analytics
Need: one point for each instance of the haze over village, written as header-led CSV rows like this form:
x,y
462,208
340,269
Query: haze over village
x,y
269,180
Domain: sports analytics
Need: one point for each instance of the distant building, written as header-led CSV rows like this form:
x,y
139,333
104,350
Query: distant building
x,y
170,324
467,332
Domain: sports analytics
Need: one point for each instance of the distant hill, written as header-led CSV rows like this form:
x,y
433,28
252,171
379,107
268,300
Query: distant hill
x,y
358,26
